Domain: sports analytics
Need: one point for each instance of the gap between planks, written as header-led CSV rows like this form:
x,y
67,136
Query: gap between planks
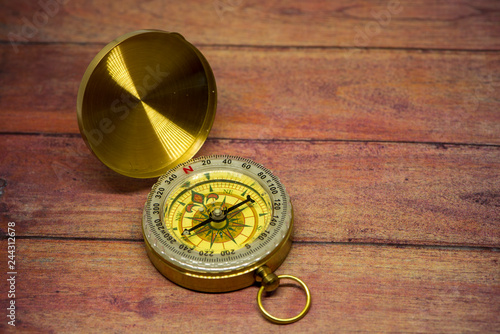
x,y
324,243
276,140
273,47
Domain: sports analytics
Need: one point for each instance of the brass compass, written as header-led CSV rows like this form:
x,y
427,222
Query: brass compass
x,y
219,223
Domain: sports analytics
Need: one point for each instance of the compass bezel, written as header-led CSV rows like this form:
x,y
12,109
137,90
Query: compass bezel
x,y
216,272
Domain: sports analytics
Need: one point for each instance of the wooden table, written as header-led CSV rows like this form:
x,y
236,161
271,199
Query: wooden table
x,y
382,119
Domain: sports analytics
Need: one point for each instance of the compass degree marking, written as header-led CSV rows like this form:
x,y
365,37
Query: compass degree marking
x,y
242,255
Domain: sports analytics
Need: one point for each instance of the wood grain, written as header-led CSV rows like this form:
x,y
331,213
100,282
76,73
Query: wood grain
x,y
363,23
114,287
378,95
384,129
342,192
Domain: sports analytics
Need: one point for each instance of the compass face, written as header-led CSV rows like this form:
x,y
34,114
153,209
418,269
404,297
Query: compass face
x,y
209,196
216,214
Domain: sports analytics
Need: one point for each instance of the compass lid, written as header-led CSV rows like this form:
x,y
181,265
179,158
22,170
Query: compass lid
x,y
146,103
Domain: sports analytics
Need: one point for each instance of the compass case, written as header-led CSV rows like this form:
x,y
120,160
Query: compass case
x,y
199,249
146,103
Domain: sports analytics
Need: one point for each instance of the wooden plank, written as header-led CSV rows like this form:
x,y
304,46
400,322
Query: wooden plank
x,y
39,87
343,192
290,94
98,286
362,23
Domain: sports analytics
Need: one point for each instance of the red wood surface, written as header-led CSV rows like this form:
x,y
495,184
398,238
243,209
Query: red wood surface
x,y
95,286
391,24
342,192
383,128
269,93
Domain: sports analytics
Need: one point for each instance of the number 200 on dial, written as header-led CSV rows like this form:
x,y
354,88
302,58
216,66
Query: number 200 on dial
x,y
209,223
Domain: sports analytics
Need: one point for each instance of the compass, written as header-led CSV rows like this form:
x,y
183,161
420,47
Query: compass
x,y
218,224
145,105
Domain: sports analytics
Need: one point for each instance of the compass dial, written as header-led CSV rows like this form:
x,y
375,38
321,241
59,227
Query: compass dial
x,y
207,197
216,218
